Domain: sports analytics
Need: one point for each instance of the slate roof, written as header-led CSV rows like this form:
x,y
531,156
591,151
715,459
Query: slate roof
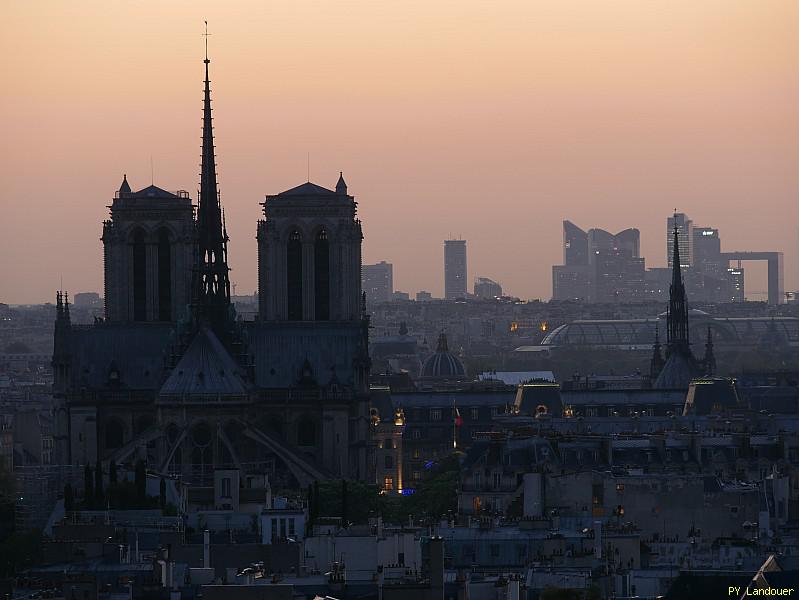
x,y
137,350
307,189
205,369
677,373
151,191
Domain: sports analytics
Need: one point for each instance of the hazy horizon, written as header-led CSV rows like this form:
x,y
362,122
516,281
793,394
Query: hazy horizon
x,y
490,122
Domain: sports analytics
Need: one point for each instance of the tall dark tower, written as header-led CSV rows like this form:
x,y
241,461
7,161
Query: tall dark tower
x,y
677,315
211,284
681,366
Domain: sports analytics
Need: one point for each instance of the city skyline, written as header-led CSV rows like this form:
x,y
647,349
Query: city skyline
x,y
587,131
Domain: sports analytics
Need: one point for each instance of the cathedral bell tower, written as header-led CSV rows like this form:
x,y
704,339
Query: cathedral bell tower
x,y
148,251
309,255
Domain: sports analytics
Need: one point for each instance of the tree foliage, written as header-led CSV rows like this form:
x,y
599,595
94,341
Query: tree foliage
x,y
19,551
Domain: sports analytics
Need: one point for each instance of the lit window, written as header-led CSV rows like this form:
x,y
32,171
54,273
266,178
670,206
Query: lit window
x,y
388,484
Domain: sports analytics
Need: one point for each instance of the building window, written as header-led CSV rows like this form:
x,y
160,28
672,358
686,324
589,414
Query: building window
x,y
435,414
478,479
294,276
496,411
292,526
388,484
164,276
497,480
416,475
619,487
322,277
475,413
416,434
389,461
417,453
226,487
597,494
306,432
114,434
139,277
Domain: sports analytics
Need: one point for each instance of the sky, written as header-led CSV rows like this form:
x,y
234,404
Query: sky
x,y
488,121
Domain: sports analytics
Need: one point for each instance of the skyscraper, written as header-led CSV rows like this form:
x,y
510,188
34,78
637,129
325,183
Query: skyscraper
x,y
599,266
487,288
707,251
454,269
685,229
378,281
575,245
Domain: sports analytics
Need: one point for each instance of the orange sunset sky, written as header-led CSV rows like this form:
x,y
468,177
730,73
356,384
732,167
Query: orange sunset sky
x,y
492,121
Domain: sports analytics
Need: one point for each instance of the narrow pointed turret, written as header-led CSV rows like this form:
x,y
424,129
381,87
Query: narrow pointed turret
x,y
124,188
212,283
341,185
656,364
710,357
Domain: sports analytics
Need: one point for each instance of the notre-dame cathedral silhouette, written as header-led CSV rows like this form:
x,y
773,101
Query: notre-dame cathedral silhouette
x,y
172,375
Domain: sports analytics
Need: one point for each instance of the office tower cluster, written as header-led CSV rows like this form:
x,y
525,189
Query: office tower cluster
x,y
602,267
599,266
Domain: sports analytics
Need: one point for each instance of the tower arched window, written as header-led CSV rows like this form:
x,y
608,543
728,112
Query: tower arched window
x,y
322,276
294,275
164,276
139,276
306,432
114,434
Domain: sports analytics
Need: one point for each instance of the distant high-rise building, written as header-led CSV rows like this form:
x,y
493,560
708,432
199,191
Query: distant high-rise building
x,y
575,245
378,281
685,228
454,269
707,251
423,296
599,266
487,288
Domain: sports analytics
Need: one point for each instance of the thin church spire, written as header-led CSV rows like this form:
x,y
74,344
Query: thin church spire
x,y
212,284
677,316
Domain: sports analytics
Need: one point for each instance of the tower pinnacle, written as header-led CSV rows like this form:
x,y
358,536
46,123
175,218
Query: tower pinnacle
x,y
677,316
212,284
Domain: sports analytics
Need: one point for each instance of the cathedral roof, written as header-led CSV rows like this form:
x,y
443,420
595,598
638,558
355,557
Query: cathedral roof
x,y
206,369
677,373
307,189
151,191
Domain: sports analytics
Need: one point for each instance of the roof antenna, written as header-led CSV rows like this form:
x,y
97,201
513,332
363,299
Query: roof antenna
x,y
205,35
152,171
309,167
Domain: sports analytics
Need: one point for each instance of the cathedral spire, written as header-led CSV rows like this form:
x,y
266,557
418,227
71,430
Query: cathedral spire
x,y
677,315
212,284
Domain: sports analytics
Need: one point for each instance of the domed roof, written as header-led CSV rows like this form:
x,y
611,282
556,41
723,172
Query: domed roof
x,y
443,363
